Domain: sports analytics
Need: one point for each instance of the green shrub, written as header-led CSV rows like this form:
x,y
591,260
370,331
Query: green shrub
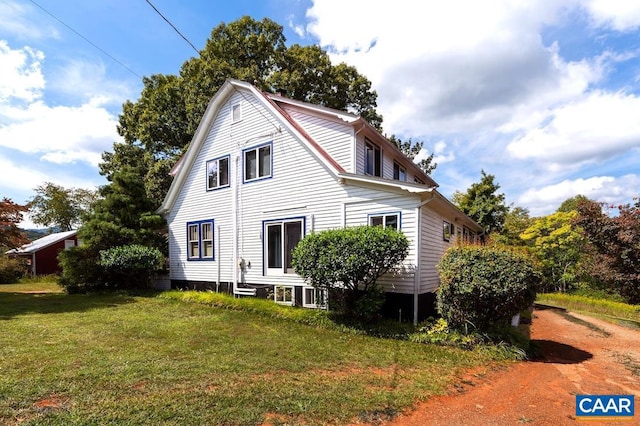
x,y
11,269
351,260
484,286
81,271
131,266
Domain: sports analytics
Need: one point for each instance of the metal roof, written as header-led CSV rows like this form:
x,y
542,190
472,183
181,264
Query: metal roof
x,y
43,242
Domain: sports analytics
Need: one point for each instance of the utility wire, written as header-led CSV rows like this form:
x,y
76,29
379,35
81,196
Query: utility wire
x,y
173,26
87,40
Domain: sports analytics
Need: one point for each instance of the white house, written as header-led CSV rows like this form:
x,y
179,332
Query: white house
x,y
262,171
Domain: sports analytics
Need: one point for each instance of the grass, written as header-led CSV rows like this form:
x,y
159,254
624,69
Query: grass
x,y
609,310
119,359
30,285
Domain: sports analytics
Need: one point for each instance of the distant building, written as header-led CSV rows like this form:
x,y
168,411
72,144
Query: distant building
x,y
42,254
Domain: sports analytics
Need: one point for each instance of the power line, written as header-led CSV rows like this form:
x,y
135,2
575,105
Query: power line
x,y
173,26
87,40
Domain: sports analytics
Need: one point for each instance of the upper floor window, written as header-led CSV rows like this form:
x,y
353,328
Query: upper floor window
x,y
257,162
399,172
281,237
236,113
218,173
200,240
385,220
416,180
372,159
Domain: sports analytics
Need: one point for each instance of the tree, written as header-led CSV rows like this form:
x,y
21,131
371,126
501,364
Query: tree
x,y
158,127
614,241
11,214
516,221
482,203
571,204
484,286
350,260
558,245
410,149
60,207
123,215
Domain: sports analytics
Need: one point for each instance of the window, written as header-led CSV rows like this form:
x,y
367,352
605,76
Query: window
x,y
218,173
399,172
257,163
69,244
283,294
447,230
236,113
281,237
372,159
200,240
416,180
314,297
385,220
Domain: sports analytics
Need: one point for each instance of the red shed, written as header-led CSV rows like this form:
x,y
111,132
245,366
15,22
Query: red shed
x,y
42,254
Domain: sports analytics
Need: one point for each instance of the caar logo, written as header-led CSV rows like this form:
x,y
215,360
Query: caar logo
x,y
614,406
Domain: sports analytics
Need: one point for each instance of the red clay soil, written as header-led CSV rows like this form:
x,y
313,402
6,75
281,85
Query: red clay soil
x,y
575,358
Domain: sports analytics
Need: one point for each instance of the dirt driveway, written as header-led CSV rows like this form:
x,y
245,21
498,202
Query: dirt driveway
x,y
580,355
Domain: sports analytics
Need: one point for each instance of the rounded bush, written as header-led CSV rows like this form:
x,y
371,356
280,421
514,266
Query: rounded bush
x,y
131,266
484,286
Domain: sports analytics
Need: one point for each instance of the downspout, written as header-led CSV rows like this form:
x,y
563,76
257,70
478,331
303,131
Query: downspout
x,y
219,258
234,214
416,277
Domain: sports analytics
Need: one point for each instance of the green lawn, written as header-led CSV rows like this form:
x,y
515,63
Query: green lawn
x,y
78,359
616,312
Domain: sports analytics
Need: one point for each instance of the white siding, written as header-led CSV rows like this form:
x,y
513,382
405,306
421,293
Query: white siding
x,y
433,247
365,202
334,137
300,187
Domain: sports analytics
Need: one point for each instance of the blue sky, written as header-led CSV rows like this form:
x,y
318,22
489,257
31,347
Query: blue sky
x,y
543,95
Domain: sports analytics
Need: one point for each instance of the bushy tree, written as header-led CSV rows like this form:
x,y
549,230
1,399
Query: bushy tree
x,y
484,286
131,266
558,245
516,221
350,260
159,125
483,204
11,214
614,242
56,206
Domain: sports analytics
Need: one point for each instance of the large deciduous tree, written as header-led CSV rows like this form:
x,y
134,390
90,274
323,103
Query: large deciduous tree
x,y
56,206
558,245
614,241
159,125
11,214
483,203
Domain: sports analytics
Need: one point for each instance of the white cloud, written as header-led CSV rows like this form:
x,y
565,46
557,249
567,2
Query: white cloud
x,y
590,130
18,21
21,73
621,15
609,189
60,134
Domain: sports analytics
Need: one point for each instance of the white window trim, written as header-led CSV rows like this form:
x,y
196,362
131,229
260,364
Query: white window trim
x,y
374,147
306,304
281,271
401,171
217,160
284,289
384,218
